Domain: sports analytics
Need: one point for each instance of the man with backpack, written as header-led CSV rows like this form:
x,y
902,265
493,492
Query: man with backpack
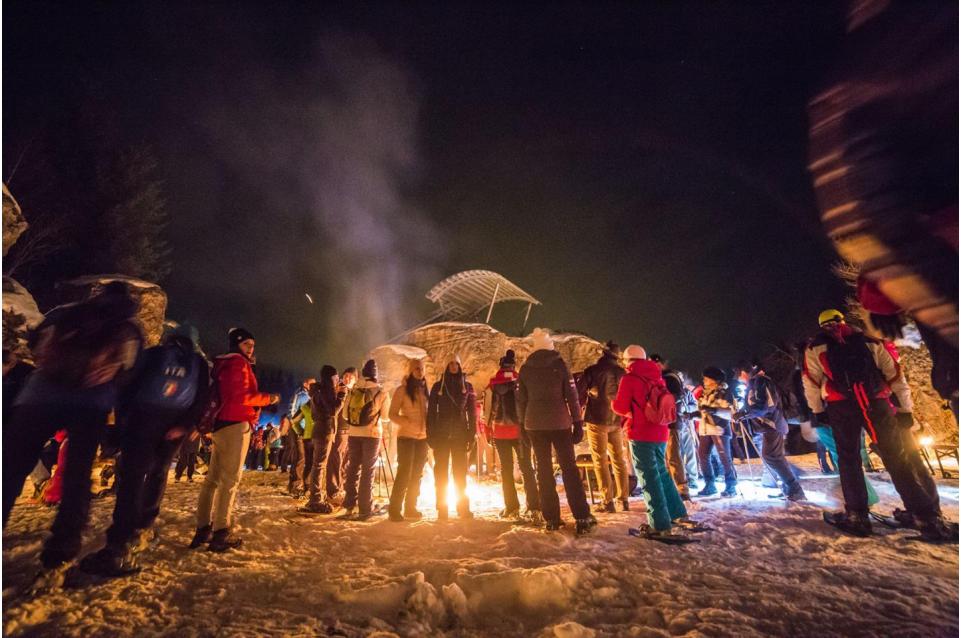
x,y
506,430
232,413
81,350
158,411
549,411
644,399
597,387
368,405
762,406
850,381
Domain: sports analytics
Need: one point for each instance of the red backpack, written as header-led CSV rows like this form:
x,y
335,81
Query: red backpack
x,y
659,406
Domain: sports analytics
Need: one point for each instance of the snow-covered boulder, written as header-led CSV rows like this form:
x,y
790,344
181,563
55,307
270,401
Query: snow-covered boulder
x,y
930,410
392,361
480,348
20,314
150,296
13,221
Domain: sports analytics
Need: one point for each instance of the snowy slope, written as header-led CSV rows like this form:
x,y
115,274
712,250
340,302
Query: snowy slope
x,y
771,569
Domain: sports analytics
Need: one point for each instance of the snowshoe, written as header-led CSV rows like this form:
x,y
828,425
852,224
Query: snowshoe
x,y
366,516
892,521
223,541
349,515
690,525
938,530
662,536
144,539
708,490
510,514
584,525
553,526
47,580
110,563
317,508
849,523
605,508
797,496
535,517
201,536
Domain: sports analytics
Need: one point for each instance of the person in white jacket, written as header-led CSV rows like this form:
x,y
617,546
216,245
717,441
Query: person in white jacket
x,y
367,408
408,410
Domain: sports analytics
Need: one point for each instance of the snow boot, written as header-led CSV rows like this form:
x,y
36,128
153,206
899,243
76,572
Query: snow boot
x,y
413,515
626,504
221,541
690,525
348,515
395,517
553,526
605,508
317,508
797,495
110,562
201,536
851,522
729,492
937,530
584,525
465,515
707,490
512,514
535,517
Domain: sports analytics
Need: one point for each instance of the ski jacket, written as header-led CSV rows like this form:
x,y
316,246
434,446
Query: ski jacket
x,y
324,411
762,403
302,397
240,399
451,416
597,388
547,396
632,394
380,411
502,415
410,415
716,405
819,379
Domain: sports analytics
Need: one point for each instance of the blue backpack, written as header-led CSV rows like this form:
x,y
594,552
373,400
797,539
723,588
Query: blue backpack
x,y
169,379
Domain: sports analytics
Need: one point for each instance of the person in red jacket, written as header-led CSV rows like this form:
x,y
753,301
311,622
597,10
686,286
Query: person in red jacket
x,y
648,443
240,403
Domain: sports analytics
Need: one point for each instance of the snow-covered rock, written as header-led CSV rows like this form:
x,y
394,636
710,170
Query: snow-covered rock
x,y
20,314
392,361
14,223
930,409
150,296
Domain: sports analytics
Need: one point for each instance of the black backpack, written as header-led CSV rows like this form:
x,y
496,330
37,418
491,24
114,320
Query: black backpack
x,y
852,365
170,378
505,408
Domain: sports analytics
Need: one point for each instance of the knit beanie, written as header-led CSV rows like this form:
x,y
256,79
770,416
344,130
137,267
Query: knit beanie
x,y
236,336
713,372
369,370
508,360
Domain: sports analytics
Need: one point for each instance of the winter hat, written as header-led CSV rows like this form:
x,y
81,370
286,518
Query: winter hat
x,y
542,339
236,336
634,352
369,370
713,372
612,348
508,360
656,358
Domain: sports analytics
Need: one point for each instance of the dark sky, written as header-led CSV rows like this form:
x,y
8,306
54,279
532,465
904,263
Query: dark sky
x,y
638,167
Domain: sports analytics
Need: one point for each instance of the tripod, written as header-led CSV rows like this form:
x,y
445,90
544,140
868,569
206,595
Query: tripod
x,y
383,469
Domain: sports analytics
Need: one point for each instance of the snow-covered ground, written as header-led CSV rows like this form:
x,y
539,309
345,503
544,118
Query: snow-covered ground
x,y
771,568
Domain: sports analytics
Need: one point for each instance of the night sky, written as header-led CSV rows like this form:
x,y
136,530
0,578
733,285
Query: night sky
x,y
640,168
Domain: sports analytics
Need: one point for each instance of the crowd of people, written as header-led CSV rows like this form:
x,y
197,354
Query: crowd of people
x,y
640,417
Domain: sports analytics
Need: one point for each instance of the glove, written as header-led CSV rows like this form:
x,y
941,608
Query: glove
x,y
578,432
888,325
904,420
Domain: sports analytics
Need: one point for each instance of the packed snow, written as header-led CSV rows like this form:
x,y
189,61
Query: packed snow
x,y
771,568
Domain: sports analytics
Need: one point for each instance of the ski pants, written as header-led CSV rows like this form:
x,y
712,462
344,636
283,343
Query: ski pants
x,y
826,438
145,457
411,457
896,447
663,502
607,449
23,440
562,443
361,463
506,450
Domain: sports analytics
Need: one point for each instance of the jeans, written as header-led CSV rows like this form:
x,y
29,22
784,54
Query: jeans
x,y
320,448
663,502
723,446
361,462
562,443
897,449
23,440
826,438
336,464
219,490
454,454
506,449
411,457
145,456
608,442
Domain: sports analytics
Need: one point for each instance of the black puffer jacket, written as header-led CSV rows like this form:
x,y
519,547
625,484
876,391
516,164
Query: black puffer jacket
x,y
598,387
451,411
547,397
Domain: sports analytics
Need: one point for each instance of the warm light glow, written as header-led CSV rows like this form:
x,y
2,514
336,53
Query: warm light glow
x,y
926,441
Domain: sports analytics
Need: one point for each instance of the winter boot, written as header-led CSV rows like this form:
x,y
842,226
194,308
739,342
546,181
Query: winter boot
x,y
729,492
905,518
936,529
349,515
111,562
318,508
797,495
465,515
850,522
605,508
511,514
413,515
395,517
443,515
201,536
584,525
626,504
222,541
553,526
535,517
708,490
